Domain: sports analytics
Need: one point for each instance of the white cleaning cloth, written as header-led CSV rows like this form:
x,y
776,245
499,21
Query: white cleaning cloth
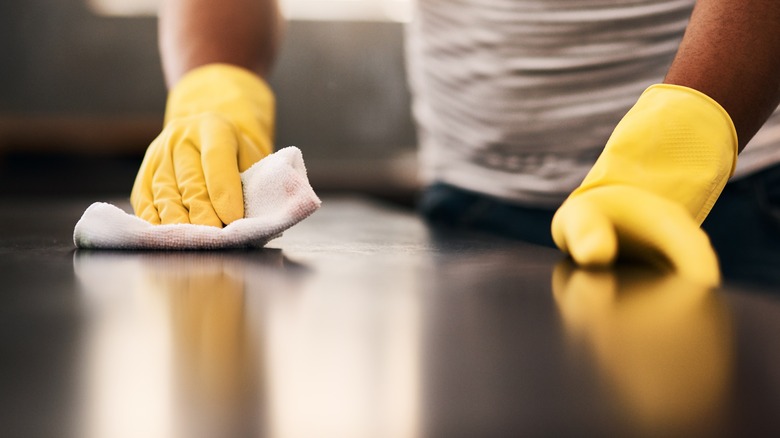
x,y
277,195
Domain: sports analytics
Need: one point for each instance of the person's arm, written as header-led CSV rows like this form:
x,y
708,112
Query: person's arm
x,y
219,117
731,53
193,33
669,158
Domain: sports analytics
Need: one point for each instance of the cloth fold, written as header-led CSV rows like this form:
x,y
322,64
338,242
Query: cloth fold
x,y
277,195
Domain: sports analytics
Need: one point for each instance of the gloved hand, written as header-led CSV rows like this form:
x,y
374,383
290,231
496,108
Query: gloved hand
x,y
218,122
659,175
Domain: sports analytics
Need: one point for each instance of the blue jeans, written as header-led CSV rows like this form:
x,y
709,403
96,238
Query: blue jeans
x,y
744,225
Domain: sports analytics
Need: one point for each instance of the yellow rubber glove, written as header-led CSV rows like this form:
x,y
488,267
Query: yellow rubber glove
x,y
218,122
659,175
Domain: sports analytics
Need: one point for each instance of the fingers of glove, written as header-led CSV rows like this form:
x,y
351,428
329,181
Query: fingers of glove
x,y
146,210
659,226
219,157
655,230
252,148
141,199
165,189
191,184
582,230
141,196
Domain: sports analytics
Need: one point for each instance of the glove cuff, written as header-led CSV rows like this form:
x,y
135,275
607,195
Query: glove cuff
x,y
676,142
716,113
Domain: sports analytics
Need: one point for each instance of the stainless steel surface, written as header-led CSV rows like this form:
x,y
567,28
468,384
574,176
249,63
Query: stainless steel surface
x,y
363,322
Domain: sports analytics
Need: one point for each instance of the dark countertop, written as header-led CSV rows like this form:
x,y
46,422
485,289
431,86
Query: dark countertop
x,y
363,322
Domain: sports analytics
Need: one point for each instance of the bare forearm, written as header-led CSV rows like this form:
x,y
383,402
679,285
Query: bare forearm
x,y
731,52
197,32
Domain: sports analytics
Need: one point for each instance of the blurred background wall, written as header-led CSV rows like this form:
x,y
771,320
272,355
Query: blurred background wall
x,y
82,95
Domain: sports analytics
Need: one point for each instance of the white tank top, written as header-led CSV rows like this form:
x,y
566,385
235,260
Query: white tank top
x,y
516,98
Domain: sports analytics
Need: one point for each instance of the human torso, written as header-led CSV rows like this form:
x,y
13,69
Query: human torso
x,y
516,98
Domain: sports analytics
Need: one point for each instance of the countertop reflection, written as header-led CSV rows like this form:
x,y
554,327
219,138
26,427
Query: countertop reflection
x,y
364,322
665,346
